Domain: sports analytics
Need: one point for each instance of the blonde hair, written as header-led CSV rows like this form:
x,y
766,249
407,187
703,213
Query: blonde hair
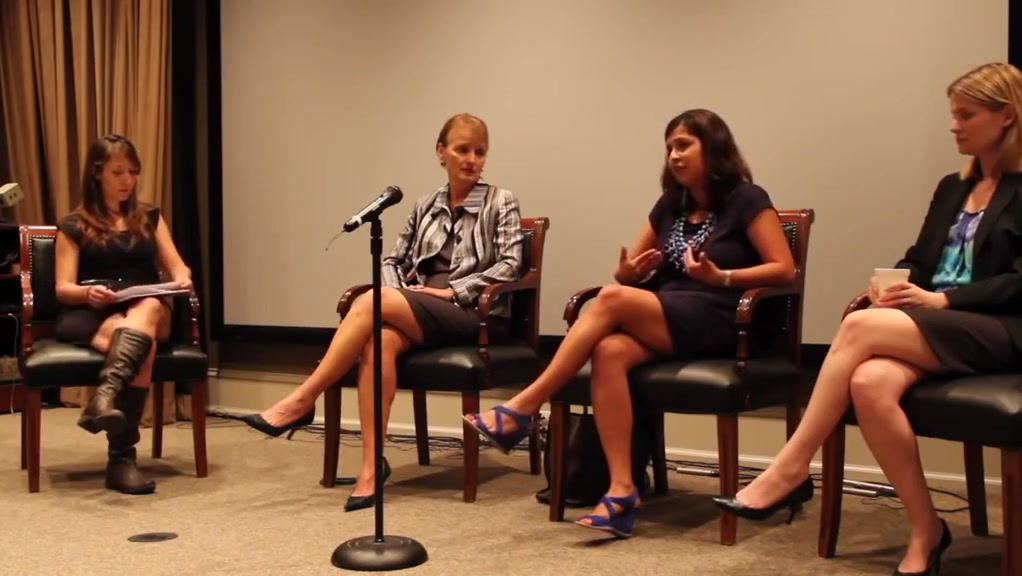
x,y
461,119
995,85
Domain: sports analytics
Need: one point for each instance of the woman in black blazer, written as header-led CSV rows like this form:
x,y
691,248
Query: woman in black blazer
x,y
959,313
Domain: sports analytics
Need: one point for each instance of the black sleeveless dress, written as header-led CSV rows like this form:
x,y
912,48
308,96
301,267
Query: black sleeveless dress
x,y
121,262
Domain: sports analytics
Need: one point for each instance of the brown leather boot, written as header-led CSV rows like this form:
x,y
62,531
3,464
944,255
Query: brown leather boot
x,y
122,473
128,350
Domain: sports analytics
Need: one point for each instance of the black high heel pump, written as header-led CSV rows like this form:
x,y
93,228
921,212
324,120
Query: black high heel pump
x,y
793,501
259,423
933,564
369,500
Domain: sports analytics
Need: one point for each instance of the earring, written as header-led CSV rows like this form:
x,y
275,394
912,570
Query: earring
x,y
443,164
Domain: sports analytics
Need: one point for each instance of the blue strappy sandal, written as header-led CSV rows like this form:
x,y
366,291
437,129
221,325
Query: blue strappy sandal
x,y
503,442
618,523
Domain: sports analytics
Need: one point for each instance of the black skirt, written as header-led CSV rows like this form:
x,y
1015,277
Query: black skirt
x,y
79,324
966,343
445,323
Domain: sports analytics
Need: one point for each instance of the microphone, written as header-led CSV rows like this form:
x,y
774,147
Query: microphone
x,y
392,195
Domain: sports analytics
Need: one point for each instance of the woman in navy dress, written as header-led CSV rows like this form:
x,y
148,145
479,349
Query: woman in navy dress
x,y
710,235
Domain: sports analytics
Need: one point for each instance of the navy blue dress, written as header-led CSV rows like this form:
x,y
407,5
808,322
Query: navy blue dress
x,y
701,317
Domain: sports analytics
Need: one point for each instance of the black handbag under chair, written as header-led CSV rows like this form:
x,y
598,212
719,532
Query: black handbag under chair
x,y
587,477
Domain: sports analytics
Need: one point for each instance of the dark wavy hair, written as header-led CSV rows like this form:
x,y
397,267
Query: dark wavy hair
x,y
725,168
95,220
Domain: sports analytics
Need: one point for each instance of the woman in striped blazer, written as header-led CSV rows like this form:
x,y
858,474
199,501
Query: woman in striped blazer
x,y
458,240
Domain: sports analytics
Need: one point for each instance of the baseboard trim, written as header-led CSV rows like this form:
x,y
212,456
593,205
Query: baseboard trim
x,y
707,456
260,376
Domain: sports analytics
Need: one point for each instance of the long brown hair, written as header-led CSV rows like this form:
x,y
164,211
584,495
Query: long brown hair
x,y
725,167
95,220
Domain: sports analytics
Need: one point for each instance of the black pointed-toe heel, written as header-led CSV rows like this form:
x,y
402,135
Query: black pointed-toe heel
x,y
369,500
933,564
259,423
792,500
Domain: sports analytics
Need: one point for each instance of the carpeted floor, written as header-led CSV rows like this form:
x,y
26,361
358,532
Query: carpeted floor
x,y
262,511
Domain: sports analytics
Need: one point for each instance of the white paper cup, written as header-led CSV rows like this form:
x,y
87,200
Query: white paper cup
x,y
887,276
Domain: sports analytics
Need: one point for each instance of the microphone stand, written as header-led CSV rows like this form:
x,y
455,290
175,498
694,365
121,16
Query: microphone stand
x,y
378,553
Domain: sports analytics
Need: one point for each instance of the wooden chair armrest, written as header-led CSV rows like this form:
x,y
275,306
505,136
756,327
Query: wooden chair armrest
x,y
490,294
528,282
746,312
860,302
348,298
753,296
574,306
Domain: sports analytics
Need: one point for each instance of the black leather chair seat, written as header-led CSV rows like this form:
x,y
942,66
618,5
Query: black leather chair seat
x,y
55,364
983,410
459,368
701,386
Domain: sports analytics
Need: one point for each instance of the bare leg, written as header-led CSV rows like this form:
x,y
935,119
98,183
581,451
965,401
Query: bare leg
x,y
877,387
613,357
862,335
394,343
349,340
101,340
147,315
615,309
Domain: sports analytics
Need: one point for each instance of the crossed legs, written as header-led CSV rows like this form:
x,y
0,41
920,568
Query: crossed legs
x,y
353,340
149,316
876,355
128,341
623,327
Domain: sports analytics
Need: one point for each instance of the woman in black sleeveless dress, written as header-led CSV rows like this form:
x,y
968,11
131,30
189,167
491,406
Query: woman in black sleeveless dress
x,y
458,240
711,234
111,242
960,313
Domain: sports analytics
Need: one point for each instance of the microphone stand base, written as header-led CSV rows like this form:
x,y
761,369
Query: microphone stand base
x,y
367,554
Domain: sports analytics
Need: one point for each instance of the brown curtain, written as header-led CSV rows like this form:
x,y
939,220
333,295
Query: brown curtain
x,y
74,70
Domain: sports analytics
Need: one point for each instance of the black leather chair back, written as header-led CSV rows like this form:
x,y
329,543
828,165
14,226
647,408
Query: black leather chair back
x,y
525,304
39,242
527,237
779,320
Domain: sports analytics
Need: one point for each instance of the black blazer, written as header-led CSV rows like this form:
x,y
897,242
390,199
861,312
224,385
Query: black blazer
x,y
996,286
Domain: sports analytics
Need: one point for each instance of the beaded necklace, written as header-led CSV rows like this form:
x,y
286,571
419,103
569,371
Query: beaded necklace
x,y
677,243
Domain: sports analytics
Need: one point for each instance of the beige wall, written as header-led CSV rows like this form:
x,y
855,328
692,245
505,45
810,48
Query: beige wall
x,y
838,106
348,97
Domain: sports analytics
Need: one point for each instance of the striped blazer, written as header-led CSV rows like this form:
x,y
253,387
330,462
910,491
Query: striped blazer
x,y
490,253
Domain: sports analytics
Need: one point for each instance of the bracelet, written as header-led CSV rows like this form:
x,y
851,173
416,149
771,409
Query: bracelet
x,y
727,278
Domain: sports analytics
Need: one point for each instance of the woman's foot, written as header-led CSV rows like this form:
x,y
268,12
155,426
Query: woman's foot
x,y
285,412
284,416
504,426
364,493
615,513
924,549
770,487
